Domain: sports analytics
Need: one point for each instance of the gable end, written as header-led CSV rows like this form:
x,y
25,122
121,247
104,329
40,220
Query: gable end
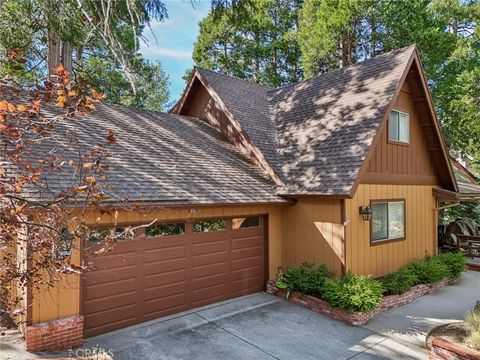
x,y
424,159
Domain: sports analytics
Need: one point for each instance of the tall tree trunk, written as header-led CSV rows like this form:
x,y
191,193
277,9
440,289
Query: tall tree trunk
x,y
341,63
59,53
373,37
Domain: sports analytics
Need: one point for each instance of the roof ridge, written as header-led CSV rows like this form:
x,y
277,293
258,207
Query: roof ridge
x,y
345,68
234,77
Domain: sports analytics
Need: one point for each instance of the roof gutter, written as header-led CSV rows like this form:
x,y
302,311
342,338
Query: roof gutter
x,y
448,195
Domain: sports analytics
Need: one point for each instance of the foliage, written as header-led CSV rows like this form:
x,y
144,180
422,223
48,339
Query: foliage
x,y
353,293
473,320
335,33
428,270
330,33
399,281
38,219
150,81
253,40
464,210
307,279
454,263
100,35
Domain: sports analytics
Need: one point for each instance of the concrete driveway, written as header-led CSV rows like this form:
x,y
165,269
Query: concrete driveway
x,y
262,326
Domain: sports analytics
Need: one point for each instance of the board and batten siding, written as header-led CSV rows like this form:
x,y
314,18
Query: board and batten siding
x,y
395,163
421,218
64,298
312,231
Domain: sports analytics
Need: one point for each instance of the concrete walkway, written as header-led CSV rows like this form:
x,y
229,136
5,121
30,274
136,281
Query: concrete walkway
x,y
262,326
408,325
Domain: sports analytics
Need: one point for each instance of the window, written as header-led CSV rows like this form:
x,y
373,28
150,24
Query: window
x,y
388,220
96,236
209,225
165,229
399,127
124,233
246,222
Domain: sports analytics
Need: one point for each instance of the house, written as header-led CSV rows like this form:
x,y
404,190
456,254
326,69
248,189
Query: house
x,y
344,169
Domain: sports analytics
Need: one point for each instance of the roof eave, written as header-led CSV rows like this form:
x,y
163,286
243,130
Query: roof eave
x,y
447,195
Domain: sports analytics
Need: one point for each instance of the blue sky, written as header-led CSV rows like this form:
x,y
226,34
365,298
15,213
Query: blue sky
x,y
174,40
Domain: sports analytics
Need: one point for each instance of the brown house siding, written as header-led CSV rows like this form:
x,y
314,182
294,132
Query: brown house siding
x,y
395,163
312,231
420,239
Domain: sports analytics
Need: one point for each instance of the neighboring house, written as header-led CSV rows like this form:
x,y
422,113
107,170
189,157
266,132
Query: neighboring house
x,y
467,182
245,179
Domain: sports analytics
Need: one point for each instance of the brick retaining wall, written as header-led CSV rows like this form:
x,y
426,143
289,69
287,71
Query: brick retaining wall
x,y
62,334
472,266
356,318
445,350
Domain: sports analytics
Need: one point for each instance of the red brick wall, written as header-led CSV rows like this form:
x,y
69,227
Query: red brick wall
x,y
56,335
445,350
357,318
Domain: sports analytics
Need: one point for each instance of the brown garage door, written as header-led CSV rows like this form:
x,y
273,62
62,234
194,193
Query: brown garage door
x,y
168,268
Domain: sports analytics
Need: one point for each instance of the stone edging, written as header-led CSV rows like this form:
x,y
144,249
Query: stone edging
x,y
443,349
356,318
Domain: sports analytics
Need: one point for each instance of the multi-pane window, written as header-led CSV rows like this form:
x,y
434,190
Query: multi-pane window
x,y
165,229
96,236
245,222
399,126
209,225
388,220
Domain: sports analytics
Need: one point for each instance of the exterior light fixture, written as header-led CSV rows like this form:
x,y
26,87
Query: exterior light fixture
x,y
194,211
366,213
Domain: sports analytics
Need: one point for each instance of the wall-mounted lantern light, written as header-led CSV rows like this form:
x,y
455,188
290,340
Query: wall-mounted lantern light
x,y
366,213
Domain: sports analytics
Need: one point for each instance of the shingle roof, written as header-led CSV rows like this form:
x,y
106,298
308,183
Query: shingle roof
x,y
164,158
326,124
248,103
316,133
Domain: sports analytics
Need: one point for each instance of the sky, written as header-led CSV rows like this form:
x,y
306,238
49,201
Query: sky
x,y
171,41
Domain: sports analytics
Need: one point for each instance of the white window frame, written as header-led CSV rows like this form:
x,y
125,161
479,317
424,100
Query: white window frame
x,y
399,140
389,238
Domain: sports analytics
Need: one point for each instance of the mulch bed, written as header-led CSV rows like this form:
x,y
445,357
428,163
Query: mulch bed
x,y
455,332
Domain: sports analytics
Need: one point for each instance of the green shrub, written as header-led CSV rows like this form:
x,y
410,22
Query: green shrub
x,y
307,279
353,293
454,262
399,281
428,270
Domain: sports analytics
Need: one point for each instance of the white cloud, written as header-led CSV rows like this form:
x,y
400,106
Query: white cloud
x,y
165,52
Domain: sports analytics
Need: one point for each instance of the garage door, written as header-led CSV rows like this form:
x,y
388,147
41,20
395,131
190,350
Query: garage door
x,y
171,267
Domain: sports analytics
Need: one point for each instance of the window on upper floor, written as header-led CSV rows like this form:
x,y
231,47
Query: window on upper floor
x,y
399,127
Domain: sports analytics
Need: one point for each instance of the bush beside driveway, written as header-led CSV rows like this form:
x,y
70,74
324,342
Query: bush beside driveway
x,y
263,326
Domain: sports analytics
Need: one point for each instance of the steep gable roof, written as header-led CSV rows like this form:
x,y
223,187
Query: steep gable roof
x,y
326,125
160,158
318,134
